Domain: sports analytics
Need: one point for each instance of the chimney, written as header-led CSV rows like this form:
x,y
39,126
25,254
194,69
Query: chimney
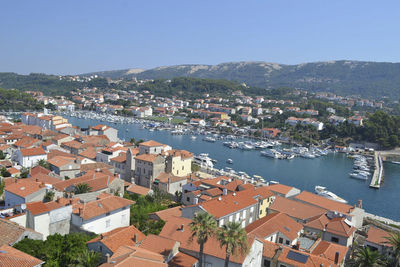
x,y
219,198
58,200
108,258
80,211
336,258
181,228
37,179
225,191
135,238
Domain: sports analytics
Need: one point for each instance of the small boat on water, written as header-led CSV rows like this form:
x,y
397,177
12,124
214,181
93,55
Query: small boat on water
x,y
193,137
321,191
230,161
210,139
358,175
272,153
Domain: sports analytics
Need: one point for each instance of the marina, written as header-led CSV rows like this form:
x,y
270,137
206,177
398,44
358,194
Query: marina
x,y
330,171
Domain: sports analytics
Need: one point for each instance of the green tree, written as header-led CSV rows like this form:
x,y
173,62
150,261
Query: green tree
x,y
82,188
43,163
202,227
4,172
24,173
195,167
394,240
2,155
234,238
49,196
2,185
88,259
364,257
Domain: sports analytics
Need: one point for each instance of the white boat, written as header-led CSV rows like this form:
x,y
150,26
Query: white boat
x,y
210,139
272,153
230,161
358,175
245,146
321,190
193,137
203,160
307,155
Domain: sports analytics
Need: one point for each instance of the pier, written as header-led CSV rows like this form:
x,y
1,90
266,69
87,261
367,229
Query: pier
x,y
377,177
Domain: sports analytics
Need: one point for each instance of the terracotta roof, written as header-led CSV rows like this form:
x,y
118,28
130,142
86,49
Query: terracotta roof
x,y
323,202
13,170
172,230
60,136
296,209
127,256
39,169
23,187
158,244
168,213
182,260
137,189
10,232
55,153
147,157
318,222
89,153
378,236
26,152
310,259
165,177
73,144
101,206
280,188
120,158
26,141
328,250
123,236
273,223
180,153
338,226
151,143
270,249
39,207
95,166
12,257
60,161
96,181
213,192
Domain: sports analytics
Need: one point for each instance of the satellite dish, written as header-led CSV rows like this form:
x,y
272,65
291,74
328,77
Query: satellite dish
x,y
23,206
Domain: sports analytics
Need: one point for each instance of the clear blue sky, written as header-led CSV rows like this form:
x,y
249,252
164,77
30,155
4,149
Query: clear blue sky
x,y
67,37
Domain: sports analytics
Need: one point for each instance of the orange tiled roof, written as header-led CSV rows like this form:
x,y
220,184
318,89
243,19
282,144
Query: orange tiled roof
x,y
378,236
182,260
328,250
150,143
311,260
147,157
295,208
39,207
166,214
272,223
158,244
60,161
127,256
323,202
101,206
280,188
16,258
23,187
123,236
137,189
339,227
26,152
89,153
165,177
10,232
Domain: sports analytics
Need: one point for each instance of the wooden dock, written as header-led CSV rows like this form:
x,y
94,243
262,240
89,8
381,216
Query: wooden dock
x,y
377,177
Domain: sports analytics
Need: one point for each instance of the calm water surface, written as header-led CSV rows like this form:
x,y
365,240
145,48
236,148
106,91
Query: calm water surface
x,y
330,171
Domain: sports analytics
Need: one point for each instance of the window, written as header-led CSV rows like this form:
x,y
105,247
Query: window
x,y
287,242
188,199
244,214
335,239
260,212
230,218
250,220
221,222
183,167
108,222
123,218
267,263
237,216
280,240
107,214
251,209
243,223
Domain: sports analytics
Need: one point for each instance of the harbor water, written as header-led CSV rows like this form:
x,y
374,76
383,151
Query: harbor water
x,y
331,171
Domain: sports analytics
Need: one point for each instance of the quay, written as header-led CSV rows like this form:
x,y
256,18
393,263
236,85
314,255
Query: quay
x,y
377,177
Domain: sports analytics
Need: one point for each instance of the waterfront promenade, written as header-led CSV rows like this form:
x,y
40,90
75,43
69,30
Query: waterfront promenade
x,y
377,177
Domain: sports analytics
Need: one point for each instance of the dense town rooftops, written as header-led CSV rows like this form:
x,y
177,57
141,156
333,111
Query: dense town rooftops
x,y
323,202
296,209
36,151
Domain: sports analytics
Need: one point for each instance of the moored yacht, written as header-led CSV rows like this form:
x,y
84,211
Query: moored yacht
x,y
321,190
203,160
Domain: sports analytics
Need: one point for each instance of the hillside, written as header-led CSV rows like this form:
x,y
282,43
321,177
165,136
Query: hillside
x,y
370,79
14,100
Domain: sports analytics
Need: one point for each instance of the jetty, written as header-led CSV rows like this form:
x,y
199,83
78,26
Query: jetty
x,y
377,177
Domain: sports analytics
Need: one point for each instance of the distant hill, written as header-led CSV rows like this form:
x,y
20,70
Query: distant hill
x,y
369,79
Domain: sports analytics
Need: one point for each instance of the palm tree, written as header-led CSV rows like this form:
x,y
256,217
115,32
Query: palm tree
x,y
364,257
234,238
49,196
82,188
88,259
394,240
43,163
203,226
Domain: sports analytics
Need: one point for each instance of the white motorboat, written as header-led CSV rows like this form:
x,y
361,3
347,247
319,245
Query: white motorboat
x,y
193,137
358,175
245,146
230,161
321,190
272,153
203,160
307,155
210,139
